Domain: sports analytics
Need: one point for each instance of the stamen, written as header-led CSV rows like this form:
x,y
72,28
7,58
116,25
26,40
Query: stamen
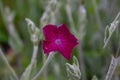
x,y
58,41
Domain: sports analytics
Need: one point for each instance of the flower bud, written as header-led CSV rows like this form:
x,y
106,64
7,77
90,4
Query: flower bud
x,y
34,31
73,70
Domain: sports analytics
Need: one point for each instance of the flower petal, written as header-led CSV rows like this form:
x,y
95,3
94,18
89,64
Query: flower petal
x,y
67,37
65,34
50,32
63,31
48,46
69,41
66,49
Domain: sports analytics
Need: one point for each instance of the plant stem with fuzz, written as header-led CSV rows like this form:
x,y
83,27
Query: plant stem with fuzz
x,y
112,67
35,50
45,70
28,71
81,57
51,54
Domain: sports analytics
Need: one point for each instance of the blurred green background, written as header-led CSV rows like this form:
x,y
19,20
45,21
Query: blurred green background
x,y
95,59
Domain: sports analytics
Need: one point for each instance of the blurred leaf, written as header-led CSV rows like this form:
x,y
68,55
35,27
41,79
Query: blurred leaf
x,y
15,45
3,36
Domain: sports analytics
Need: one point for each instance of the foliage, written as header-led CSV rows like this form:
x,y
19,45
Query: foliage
x,y
87,20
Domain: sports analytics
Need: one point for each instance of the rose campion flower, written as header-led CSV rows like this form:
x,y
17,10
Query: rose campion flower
x,y
58,38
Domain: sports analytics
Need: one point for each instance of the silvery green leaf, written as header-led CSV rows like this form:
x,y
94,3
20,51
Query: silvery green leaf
x,y
75,61
111,29
94,78
33,30
31,26
73,70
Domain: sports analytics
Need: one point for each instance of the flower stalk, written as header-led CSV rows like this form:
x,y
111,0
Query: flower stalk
x,y
51,55
112,68
45,70
35,50
82,63
35,37
27,73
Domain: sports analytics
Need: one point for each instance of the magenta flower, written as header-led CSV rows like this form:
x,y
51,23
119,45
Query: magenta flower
x,y
58,38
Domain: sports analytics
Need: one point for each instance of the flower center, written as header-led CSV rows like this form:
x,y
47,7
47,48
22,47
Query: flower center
x,y
58,41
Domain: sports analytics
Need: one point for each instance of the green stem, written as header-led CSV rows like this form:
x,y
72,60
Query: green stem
x,y
8,65
51,54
